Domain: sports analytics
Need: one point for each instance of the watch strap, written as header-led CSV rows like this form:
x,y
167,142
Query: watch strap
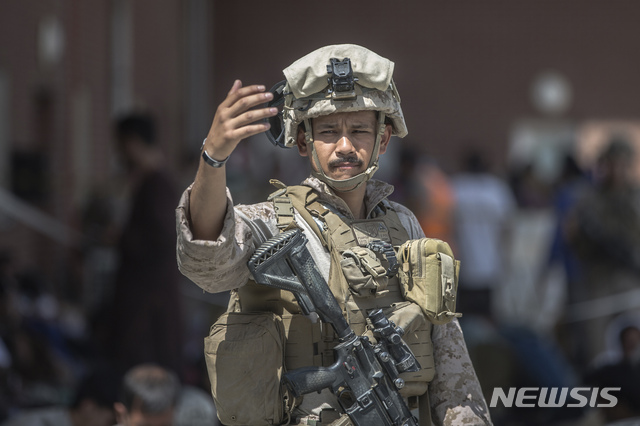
x,y
210,160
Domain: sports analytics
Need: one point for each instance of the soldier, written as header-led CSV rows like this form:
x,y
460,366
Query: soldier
x,y
341,108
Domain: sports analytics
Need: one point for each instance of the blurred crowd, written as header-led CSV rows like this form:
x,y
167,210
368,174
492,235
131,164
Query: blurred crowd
x,y
62,348
549,286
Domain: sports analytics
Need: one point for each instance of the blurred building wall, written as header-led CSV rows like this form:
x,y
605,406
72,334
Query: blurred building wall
x,y
67,69
464,70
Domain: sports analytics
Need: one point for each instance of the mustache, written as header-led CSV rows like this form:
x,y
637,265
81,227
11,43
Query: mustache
x,y
349,159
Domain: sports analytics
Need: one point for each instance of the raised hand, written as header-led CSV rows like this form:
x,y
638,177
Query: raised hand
x,y
237,119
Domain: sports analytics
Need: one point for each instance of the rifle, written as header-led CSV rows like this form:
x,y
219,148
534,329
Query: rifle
x,y
365,376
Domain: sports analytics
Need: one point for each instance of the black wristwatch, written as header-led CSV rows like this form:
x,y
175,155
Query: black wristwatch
x,y
209,160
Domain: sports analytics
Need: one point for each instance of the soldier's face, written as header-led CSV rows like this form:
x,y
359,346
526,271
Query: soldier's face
x,y
344,142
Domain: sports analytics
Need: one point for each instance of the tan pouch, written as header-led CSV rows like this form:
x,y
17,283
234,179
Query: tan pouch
x,y
417,334
429,277
363,271
244,353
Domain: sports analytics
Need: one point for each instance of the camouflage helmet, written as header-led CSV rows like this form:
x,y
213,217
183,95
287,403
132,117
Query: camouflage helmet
x,y
332,79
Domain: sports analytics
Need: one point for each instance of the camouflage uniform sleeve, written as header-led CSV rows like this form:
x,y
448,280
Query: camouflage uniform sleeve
x,y
455,393
220,265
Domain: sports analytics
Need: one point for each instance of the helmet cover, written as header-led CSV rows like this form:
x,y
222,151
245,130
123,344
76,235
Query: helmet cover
x,y
308,91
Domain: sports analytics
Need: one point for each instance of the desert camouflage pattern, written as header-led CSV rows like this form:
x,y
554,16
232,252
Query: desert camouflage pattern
x,y
307,84
308,75
215,266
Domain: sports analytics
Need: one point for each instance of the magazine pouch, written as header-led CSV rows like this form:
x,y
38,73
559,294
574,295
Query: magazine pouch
x,y
429,277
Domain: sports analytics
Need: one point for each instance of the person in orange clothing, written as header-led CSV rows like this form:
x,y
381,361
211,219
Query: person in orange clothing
x,y
436,210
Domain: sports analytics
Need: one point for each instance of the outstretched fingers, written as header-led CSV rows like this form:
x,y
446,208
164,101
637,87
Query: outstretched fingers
x,y
241,99
250,130
239,116
243,114
243,108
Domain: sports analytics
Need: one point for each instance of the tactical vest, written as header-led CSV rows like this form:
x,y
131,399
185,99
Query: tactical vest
x,y
357,278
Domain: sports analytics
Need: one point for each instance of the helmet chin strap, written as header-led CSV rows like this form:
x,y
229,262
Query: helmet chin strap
x,y
354,182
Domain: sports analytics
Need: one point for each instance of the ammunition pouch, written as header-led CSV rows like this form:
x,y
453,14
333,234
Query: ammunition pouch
x,y
429,277
364,273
